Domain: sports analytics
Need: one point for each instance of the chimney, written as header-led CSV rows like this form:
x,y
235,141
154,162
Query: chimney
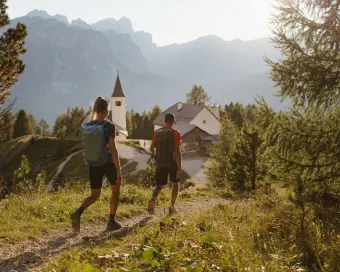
x,y
179,106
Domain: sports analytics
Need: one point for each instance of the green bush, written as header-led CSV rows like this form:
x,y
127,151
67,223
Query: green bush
x,y
133,144
131,194
187,184
147,177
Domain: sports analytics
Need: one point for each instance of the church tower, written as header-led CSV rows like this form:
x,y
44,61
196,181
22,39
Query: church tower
x,y
118,105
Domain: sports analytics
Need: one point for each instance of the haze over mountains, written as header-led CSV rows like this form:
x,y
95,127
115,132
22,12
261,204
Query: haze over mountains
x,y
69,64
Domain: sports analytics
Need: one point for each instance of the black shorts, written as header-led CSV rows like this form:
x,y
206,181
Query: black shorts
x,y
97,174
162,174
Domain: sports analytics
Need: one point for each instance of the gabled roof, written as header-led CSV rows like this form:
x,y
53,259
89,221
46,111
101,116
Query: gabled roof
x,y
215,112
184,128
118,90
186,114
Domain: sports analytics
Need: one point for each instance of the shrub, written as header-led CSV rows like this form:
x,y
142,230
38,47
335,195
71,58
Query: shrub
x,y
147,177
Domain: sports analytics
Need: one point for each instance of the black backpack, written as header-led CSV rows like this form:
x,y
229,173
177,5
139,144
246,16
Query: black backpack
x,y
165,147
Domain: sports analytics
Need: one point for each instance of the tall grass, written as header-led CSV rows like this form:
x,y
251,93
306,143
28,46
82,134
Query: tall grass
x,y
28,214
261,234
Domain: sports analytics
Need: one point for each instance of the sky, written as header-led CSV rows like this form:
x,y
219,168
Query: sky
x,y
169,21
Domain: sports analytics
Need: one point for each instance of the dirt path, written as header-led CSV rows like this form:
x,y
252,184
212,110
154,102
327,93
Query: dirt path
x,y
60,169
29,254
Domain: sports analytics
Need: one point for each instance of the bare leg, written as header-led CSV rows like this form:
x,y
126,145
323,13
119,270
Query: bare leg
x,y
114,199
75,217
113,224
174,194
95,194
156,191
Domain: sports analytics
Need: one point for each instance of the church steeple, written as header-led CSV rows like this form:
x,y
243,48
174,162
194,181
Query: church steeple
x,y
118,101
118,90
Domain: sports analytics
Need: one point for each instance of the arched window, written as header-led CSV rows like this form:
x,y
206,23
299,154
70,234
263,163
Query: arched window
x,y
118,103
204,122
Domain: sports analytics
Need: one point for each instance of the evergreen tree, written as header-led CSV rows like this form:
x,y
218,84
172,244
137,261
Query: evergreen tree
x,y
198,96
156,110
12,48
72,120
35,125
23,125
43,126
6,122
221,153
238,156
307,138
246,161
141,126
236,113
129,125
61,132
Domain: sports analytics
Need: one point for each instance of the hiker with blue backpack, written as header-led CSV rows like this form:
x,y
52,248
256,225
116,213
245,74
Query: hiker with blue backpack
x,y
166,141
102,158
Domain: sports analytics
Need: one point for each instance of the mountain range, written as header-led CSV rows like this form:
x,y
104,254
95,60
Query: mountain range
x,y
69,64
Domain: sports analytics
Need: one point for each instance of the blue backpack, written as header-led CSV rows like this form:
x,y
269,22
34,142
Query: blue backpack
x,y
95,149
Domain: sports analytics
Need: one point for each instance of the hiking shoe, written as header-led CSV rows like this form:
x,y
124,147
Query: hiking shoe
x,y
75,217
113,225
172,210
151,207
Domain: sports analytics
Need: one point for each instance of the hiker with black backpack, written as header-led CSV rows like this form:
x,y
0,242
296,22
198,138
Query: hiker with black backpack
x,y
168,157
102,158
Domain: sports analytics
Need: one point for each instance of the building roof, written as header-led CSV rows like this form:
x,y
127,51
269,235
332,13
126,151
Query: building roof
x,y
187,113
215,112
118,90
184,128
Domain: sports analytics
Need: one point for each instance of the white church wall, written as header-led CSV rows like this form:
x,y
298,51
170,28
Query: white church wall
x,y
119,112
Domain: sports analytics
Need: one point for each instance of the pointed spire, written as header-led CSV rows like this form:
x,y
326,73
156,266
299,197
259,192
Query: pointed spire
x,y
118,90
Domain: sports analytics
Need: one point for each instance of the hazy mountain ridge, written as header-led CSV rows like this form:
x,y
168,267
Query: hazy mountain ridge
x,y
69,64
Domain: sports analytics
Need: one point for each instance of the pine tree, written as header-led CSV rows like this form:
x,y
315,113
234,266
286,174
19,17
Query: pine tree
x,y
72,120
7,122
43,126
35,125
12,48
61,132
238,158
306,139
23,125
236,113
221,153
246,160
198,96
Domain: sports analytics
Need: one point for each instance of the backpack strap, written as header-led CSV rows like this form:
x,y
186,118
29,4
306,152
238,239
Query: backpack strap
x,y
104,122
